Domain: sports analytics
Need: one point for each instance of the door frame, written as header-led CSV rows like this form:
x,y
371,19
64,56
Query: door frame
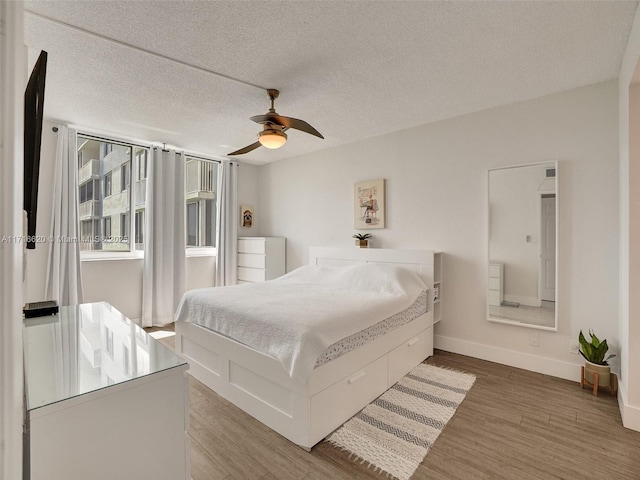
x,y
541,195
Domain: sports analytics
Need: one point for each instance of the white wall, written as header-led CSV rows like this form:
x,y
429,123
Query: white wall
x,y
629,154
436,198
37,259
248,189
13,69
118,282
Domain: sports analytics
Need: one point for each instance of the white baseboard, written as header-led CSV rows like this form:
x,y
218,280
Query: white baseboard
x,y
630,415
533,363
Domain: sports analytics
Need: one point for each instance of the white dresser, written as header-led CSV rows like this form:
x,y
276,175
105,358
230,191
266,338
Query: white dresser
x,y
261,258
496,283
105,400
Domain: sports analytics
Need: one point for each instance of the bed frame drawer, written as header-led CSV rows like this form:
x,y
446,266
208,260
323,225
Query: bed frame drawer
x,y
330,407
410,353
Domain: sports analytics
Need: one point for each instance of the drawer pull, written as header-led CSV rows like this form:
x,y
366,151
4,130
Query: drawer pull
x,y
412,342
357,377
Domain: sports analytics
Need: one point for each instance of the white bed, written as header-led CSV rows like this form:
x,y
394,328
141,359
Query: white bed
x,y
336,390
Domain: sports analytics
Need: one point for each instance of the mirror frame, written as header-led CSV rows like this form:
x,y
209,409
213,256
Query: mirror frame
x,y
549,164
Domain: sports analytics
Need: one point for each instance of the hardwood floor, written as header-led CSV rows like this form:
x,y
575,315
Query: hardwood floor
x,y
513,425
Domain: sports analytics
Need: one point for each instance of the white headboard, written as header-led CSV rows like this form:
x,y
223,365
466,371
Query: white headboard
x,y
419,261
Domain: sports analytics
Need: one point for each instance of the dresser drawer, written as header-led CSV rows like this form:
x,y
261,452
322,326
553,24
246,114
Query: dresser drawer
x,y
495,298
251,260
406,356
251,274
494,283
250,245
495,271
334,405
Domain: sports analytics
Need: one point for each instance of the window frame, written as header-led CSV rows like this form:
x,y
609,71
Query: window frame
x,y
195,250
142,167
133,253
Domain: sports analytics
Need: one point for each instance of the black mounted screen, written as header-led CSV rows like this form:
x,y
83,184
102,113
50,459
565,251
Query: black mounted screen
x,y
33,111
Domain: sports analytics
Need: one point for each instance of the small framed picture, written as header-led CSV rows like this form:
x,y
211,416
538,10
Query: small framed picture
x,y
246,216
369,206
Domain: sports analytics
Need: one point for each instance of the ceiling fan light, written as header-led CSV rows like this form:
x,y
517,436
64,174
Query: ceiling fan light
x,y
272,139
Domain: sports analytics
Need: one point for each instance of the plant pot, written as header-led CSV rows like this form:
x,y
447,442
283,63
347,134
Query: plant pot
x,y
362,243
603,371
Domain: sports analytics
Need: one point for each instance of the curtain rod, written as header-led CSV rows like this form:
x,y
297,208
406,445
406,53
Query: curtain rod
x,y
127,143
124,142
142,50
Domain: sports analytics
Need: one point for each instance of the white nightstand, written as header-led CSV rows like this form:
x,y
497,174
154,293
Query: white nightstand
x,y
260,258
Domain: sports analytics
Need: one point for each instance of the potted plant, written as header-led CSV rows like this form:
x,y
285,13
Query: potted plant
x,y
362,239
594,353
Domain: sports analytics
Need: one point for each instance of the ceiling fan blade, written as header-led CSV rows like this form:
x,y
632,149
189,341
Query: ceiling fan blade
x,y
246,149
287,122
268,118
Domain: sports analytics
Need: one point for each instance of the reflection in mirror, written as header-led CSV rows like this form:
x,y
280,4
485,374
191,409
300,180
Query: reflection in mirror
x,y
522,246
85,348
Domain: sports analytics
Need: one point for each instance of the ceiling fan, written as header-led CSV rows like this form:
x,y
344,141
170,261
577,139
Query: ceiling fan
x,y
274,127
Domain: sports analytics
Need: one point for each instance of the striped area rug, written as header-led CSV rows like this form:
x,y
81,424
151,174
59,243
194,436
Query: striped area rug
x,y
395,432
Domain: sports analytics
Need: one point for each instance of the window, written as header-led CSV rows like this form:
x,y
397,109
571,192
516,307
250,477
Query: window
x,y
124,176
124,225
201,181
89,232
106,228
140,194
89,228
192,224
126,360
107,193
210,222
141,164
108,337
107,185
112,186
139,229
87,191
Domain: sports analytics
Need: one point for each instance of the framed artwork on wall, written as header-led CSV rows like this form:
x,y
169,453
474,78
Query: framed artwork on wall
x,y
369,204
246,216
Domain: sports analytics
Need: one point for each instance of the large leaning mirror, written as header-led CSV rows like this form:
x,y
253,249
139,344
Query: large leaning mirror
x,y
522,246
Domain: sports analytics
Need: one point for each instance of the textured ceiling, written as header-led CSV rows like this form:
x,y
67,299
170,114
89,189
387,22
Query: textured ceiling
x,y
353,70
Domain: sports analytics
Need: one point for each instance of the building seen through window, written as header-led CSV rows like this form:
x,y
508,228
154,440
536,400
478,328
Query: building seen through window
x,y
201,182
112,187
105,194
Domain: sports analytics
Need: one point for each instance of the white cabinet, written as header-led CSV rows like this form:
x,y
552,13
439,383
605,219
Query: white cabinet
x,y
104,400
437,286
260,258
496,283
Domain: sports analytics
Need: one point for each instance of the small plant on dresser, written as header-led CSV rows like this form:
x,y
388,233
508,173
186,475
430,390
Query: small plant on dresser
x,y
362,239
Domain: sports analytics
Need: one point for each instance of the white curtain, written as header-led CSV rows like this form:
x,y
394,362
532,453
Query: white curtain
x,y
163,279
227,227
64,275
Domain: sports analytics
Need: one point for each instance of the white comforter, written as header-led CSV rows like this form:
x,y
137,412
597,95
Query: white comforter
x,y
296,317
